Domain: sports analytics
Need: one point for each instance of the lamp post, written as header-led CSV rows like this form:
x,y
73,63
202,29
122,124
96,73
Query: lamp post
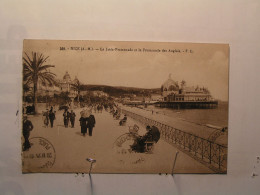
x,y
72,96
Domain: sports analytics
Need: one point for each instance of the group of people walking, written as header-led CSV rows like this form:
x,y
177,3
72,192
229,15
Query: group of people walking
x,y
87,119
49,116
69,117
98,108
87,124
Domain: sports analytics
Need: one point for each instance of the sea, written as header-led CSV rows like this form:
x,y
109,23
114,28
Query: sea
x,y
216,117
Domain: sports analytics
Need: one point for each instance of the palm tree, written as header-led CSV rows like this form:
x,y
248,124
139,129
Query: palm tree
x,y
34,70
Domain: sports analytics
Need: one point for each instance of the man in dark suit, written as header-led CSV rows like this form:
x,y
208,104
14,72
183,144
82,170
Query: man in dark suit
x,y
72,118
91,123
66,119
27,128
143,143
83,124
51,116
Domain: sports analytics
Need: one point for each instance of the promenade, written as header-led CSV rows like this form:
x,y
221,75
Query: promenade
x,y
202,131
72,149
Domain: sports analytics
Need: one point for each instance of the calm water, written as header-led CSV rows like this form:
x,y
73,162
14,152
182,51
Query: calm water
x,y
217,117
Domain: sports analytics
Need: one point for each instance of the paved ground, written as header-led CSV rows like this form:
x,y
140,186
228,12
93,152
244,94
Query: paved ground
x,y
72,149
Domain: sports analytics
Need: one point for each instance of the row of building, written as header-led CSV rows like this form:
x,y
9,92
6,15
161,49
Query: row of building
x,y
171,91
66,84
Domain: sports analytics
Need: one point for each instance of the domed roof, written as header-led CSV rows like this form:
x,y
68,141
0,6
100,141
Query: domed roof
x,y
76,80
170,85
66,77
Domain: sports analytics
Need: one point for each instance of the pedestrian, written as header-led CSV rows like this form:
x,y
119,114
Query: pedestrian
x,y
83,124
72,118
27,128
66,118
51,116
91,123
46,118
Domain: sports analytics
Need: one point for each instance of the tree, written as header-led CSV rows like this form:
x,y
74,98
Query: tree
x,y
26,89
34,70
64,98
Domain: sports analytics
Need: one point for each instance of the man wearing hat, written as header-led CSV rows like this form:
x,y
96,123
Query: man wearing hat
x,y
91,123
51,116
72,118
152,135
27,127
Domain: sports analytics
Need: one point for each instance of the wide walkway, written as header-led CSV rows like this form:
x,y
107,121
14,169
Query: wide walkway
x,y
202,131
72,149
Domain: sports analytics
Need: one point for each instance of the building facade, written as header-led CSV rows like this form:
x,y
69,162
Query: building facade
x,y
68,85
173,92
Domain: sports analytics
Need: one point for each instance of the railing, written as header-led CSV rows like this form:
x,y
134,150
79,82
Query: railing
x,y
211,154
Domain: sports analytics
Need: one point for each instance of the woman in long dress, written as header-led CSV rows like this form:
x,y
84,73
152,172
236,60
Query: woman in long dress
x,y
83,124
66,118
46,118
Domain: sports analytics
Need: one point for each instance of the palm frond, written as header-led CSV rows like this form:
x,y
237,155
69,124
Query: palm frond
x,y
50,81
49,78
42,60
27,64
28,81
28,58
45,67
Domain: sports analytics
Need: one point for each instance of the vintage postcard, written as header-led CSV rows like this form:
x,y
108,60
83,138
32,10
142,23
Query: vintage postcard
x,y
124,107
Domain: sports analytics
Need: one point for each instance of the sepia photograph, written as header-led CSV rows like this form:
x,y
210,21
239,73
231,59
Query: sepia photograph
x,y
124,107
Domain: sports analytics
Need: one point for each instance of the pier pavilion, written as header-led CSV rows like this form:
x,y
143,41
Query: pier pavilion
x,y
182,96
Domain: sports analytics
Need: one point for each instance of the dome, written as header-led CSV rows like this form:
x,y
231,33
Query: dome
x,y
76,80
66,77
170,85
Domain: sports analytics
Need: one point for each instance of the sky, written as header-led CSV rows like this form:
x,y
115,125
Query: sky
x,y
146,65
